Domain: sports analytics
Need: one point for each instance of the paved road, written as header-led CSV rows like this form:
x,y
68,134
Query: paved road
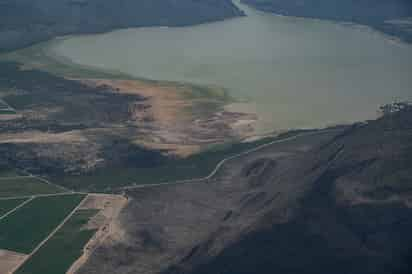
x,y
193,180
222,162
213,173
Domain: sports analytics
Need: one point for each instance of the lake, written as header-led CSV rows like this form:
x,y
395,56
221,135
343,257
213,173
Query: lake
x,y
292,72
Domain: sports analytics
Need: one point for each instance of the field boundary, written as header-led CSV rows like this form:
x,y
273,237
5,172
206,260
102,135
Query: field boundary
x,y
213,173
16,208
43,195
46,181
56,229
8,107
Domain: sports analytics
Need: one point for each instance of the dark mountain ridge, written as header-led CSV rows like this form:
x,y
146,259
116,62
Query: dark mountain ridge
x,y
24,22
355,218
337,201
378,14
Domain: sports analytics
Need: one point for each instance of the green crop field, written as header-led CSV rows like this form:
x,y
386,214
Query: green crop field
x,y
25,186
6,111
23,230
7,205
63,249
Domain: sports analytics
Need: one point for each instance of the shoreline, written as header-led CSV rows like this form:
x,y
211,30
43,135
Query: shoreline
x,y
397,35
177,118
48,34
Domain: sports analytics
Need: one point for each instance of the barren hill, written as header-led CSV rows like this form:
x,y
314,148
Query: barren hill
x,y
334,201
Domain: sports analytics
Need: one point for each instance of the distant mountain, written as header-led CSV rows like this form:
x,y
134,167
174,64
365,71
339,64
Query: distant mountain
x,y
23,22
383,15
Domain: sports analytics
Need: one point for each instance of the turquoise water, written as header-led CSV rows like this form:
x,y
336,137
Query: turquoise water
x,y
292,72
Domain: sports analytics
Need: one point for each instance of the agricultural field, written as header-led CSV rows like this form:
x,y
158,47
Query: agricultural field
x,y
6,108
25,186
23,230
50,224
7,205
68,243
7,112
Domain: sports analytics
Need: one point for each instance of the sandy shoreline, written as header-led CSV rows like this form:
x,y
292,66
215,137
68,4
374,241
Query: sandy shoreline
x,y
172,120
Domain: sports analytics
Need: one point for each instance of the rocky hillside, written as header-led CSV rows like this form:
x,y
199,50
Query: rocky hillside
x,y
335,201
390,16
23,22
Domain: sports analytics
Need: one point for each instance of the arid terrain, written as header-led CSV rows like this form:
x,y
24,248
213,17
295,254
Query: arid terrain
x,y
93,123
173,120
105,222
341,193
9,260
336,201
104,171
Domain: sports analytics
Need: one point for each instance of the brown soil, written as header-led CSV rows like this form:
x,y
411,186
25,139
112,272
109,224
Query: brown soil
x,y
42,137
169,121
9,261
105,221
165,102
